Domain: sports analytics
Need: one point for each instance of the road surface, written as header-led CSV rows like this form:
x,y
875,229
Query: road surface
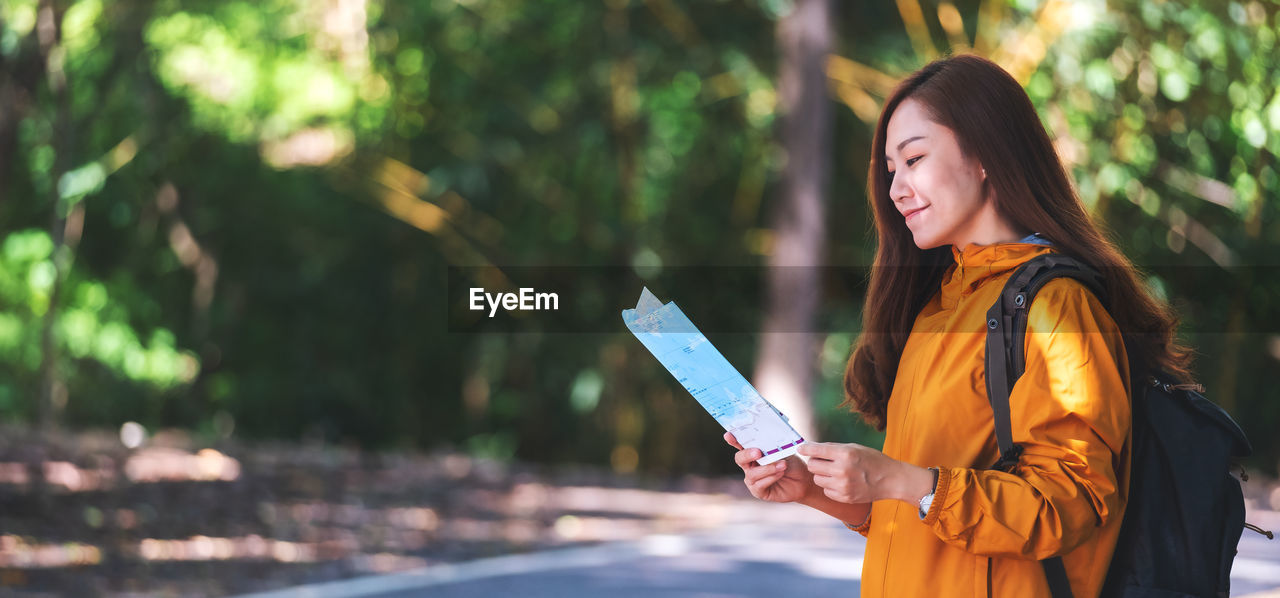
x,y
790,552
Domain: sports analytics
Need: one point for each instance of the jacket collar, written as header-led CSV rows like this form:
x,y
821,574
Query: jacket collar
x,y
977,263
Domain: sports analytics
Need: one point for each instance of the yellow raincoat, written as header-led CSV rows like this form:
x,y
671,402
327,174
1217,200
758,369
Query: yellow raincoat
x,y
986,530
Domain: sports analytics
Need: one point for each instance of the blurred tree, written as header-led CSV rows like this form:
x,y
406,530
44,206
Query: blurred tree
x,y
788,358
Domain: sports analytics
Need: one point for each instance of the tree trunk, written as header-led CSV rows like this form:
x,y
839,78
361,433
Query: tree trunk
x,y
789,345
49,32
49,35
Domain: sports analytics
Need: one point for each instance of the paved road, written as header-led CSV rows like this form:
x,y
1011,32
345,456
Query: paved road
x,y
799,554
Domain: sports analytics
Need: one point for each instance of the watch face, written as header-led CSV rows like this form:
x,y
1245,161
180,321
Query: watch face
x,y
925,503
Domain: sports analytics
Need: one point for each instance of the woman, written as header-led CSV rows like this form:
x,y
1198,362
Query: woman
x,y
962,172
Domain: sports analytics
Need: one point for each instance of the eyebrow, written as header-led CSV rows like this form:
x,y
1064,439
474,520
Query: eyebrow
x,y
909,140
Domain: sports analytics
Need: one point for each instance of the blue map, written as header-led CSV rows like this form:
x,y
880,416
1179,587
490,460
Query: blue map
x,y
710,378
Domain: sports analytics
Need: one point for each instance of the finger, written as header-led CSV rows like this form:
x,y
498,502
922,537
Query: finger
x,y
821,467
824,450
732,440
744,458
823,481
761,471
761,488
763,483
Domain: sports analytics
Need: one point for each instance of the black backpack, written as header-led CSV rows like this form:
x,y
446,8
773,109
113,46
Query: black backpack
x,y
1186,511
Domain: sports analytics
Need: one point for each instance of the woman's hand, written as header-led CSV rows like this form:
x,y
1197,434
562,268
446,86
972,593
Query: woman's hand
x,y
852,473
781,481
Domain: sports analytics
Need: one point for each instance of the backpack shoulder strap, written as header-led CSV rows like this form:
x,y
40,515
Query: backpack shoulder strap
x,y
1006,334
1006,360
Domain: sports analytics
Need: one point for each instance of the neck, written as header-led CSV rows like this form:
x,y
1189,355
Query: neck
x,y
989,228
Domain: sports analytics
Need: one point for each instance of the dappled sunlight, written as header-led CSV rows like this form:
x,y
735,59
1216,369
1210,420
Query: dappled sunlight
x,y
62,474
295,103
340,31
21,553
308,147
598,529
167,464
314,512
386,562
532,497
917,30
13,473
203,548
526,514
466,232
1025,46
152,464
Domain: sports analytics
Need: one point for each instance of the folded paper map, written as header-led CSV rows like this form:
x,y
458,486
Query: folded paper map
x,y
710,378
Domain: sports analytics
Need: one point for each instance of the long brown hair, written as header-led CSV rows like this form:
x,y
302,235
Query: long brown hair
x,y
996,124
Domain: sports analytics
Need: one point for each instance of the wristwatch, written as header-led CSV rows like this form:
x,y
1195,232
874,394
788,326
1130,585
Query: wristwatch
x,y
927,501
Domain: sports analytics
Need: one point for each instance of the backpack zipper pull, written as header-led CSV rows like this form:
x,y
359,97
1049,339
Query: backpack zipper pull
x,y
1269,535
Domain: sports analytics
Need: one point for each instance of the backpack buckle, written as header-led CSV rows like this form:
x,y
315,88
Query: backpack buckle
x,y
1009,459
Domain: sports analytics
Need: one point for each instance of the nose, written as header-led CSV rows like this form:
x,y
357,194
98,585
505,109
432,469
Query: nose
x,y
899,189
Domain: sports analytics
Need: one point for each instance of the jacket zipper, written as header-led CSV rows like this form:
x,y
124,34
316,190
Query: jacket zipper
x,y
988,577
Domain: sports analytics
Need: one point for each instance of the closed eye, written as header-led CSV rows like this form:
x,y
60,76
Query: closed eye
x,y
910,162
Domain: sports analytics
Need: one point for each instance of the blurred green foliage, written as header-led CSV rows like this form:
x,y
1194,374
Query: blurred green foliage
x,y
92,326
268,194
1171,114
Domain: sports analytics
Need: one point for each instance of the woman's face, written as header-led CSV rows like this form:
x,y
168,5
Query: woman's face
x,y
937,188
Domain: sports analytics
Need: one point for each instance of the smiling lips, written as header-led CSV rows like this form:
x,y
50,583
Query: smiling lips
x,y
907,215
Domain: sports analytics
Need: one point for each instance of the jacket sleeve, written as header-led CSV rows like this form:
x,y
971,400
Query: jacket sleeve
x,y
1070,412
862,528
